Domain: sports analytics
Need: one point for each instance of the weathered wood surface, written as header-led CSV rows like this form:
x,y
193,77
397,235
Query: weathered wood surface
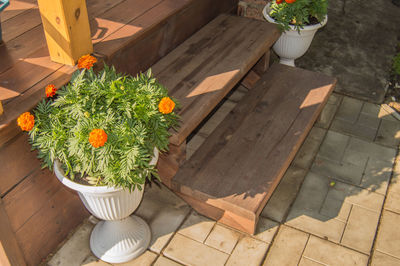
x,y
10,252
203,69
134,35
131,34
243,160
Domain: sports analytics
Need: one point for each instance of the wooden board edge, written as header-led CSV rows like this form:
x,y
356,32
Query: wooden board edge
x,y
10,251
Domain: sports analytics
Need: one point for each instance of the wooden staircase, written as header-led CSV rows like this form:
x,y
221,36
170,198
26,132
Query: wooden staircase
x,y
232,175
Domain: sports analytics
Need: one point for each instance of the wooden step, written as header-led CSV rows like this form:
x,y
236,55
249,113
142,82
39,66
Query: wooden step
x,y
233,174
203,69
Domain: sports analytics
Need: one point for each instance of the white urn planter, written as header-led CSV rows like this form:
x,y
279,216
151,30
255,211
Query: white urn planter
x,y
293,44
120,237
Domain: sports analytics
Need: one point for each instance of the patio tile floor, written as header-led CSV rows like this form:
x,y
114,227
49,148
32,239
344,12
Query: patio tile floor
x,y
327,210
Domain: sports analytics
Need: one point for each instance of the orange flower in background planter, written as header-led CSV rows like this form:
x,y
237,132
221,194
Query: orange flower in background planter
x,y
97,138
279,1
86,61
289,1
166,105
26,121
50,91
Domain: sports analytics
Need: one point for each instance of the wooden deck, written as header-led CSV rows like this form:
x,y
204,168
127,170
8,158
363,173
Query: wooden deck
x,y
36,211
130,34
233,174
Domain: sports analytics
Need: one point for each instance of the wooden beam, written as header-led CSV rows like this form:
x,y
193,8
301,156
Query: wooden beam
x,y
1,108
67,30
10,252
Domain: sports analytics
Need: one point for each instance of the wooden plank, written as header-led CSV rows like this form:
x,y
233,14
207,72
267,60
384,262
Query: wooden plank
x,y
16,8
41,234
202,70
67,29
10,252
143,21
166,35
29,196
20,24
119,17
244,167
17,161
38,66
251,79
263,64
169,162
231,219
27,101
21,47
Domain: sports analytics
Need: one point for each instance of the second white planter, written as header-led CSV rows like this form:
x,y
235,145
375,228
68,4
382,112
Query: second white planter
x,y
293,44
120,237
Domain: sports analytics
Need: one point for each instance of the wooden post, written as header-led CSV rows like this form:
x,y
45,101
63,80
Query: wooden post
x,y
10,252
1,108
67,30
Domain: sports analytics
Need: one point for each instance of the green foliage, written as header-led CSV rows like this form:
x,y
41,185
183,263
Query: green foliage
x,y
126,108
299,13
396,64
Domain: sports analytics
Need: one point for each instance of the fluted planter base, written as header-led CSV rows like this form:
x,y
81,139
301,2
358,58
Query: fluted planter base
x,y
120,241
293,44
121,237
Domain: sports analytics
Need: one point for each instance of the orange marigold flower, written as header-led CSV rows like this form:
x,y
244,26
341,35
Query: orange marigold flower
x,y
26,121
290,1
279,1
97,137
50,90
86,61
166,105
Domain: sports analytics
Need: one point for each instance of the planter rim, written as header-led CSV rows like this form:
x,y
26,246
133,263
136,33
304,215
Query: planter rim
x,y
91,189
266,15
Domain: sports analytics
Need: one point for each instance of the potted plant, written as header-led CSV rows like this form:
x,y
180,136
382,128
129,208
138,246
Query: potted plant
x,y
299,20
101,134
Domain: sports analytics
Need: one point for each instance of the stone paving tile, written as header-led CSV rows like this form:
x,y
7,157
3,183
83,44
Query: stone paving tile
x,y
328,253
191,252
344,171
329,211
222,238
388,238
287,248
305,213
334,146
355,161
76,249
308,262
351,119
248,251
146,259
372,150
381,259
389,133
328,113
394,186
308,150
360,229
164,212
163,261
349,109
278,205
93,261
197,227
392,202
266,229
